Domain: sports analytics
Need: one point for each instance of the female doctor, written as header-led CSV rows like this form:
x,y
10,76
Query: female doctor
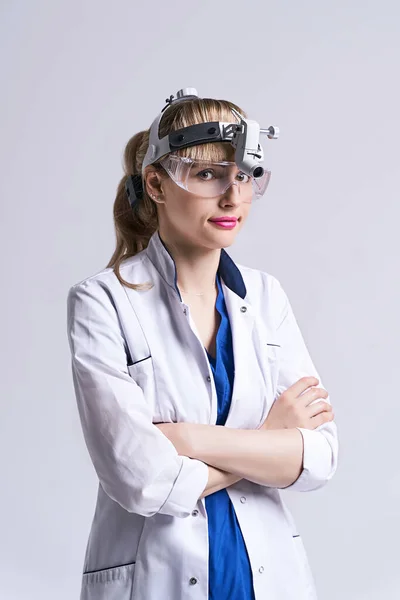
x,y
197,396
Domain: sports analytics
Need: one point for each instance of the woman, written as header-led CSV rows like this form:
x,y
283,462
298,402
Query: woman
x,y
197,396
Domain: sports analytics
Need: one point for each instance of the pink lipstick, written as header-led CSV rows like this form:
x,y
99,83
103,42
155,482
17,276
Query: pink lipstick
x,y
225,222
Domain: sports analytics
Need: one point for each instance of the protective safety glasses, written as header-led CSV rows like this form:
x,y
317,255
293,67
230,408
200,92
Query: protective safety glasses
x,y
210,179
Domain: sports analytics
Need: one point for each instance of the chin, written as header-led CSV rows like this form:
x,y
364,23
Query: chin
x,y
223,240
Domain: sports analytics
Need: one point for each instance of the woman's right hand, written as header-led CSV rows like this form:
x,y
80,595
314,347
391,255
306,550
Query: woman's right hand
x,y
293,409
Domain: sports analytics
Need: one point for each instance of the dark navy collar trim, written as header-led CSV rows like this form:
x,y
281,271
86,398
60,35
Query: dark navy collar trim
x,y
231,274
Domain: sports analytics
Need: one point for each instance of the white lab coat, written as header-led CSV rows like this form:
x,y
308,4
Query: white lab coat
x,y
137,359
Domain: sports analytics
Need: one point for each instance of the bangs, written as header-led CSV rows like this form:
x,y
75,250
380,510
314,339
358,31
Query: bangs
x,y
211,152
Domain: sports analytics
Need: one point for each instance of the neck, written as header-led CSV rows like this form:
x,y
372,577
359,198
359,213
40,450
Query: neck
x,y
196,267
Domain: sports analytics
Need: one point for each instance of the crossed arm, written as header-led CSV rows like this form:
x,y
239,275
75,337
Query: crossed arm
x,y
268,457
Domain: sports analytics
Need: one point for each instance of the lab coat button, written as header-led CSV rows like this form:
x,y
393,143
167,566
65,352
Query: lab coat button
x,y
261,569
243,308
193,580
195,512
184,311
243,499
208,378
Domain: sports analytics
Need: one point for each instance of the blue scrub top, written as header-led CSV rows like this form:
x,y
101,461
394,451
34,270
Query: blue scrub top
x,y
230,575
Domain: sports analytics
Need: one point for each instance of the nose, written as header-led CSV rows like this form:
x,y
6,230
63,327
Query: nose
x,y
234,192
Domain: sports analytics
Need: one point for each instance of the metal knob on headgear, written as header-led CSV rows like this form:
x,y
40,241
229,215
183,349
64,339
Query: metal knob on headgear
x,y
272,132
188,92
185,92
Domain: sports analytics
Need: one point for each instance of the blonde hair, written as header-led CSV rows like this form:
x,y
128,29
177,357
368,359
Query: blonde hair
x,y
134,228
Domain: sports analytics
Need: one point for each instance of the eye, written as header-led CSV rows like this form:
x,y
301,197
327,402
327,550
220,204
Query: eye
x,y
202,174
244,178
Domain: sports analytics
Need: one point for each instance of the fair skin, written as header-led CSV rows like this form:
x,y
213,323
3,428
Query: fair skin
x,y
273,454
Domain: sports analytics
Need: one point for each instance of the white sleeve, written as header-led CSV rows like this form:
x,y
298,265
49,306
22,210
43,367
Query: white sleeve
x,y
137,465
320,445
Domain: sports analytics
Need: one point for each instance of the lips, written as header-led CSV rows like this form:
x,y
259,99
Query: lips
x,y
224,220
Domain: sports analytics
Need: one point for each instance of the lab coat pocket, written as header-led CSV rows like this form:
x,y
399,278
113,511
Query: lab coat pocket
x,y
108,584
307,579
273,351
142,372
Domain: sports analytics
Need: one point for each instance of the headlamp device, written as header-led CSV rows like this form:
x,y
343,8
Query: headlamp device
x,y
243,134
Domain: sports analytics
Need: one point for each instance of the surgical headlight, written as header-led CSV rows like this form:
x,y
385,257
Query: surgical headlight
x,y
243,134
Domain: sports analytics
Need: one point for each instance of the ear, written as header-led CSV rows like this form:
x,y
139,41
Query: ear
x,y
152,182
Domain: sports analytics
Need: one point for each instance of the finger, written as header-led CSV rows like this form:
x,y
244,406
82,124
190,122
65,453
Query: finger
x,y
312,394
320,419
318,407
301,385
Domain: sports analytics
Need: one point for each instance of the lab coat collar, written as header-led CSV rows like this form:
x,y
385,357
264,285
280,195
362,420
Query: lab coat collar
x,y
164,263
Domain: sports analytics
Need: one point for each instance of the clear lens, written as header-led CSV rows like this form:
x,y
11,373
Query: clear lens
x,y
211,179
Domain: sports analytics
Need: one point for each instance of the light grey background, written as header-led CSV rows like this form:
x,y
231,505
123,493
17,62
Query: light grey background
x,y
78,78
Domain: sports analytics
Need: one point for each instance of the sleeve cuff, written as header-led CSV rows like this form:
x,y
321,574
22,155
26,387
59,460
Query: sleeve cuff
x,y
318,462
187,488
